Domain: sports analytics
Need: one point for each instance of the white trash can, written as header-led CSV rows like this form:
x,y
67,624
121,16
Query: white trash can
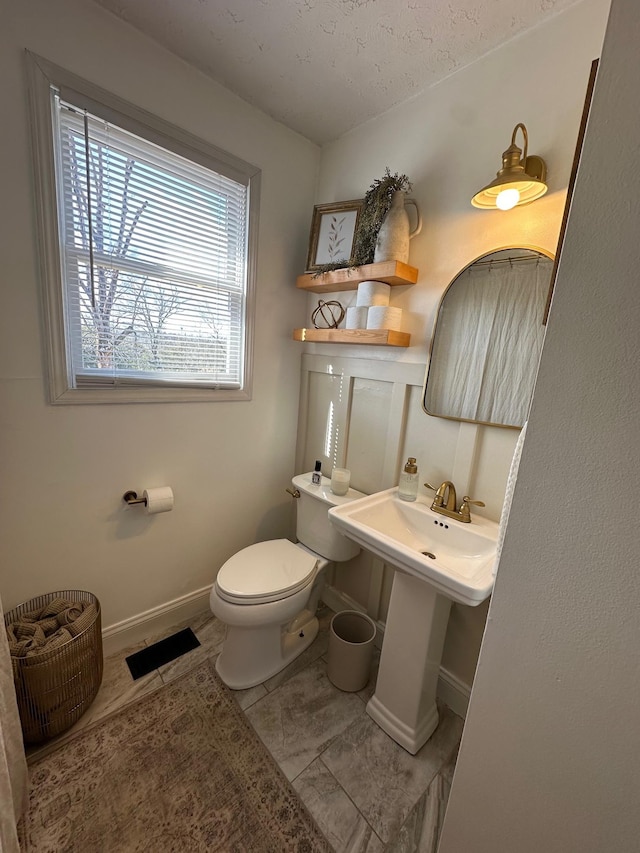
x,y
351,638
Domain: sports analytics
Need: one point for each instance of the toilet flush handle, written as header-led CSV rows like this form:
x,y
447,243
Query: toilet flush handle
x,y
293,492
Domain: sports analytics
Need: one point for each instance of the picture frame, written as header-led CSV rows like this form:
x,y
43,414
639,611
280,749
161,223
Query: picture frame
x,y
333,230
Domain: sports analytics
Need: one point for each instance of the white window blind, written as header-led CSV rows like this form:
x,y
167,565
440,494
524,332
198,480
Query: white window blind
x,y
154,260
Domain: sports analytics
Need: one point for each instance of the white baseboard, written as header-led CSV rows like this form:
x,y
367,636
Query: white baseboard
x,y
137,628
451,690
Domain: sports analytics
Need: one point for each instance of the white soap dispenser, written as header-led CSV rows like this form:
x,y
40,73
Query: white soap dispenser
x,y
408,485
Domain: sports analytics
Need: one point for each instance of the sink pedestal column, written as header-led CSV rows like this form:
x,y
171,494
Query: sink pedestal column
x,y
404,704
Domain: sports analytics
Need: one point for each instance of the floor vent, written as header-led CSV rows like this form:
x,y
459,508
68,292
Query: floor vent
x,y
164,651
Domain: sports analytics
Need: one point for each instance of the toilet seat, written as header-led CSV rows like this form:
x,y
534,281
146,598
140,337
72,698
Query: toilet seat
x,y
264,572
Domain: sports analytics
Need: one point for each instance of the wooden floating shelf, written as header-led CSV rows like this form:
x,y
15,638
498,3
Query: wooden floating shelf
x,y
391,272
372,337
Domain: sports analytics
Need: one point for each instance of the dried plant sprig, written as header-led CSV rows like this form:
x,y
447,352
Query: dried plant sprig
x,y
377,202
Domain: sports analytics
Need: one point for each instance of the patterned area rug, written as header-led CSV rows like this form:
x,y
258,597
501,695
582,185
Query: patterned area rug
x,y
180,770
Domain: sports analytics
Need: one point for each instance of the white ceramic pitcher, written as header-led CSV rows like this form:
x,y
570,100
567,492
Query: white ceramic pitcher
x,y
395,232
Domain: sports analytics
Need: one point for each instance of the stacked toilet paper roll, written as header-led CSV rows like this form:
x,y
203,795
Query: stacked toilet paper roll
x,y
384,317
356,317
372,293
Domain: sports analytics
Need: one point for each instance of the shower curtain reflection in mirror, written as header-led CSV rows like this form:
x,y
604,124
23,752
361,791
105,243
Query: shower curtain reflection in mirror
x,y
488,339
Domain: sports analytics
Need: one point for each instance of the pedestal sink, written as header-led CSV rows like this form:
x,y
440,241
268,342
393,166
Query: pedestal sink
x,y
439,560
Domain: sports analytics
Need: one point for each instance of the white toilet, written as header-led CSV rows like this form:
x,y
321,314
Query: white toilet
x,y
267,594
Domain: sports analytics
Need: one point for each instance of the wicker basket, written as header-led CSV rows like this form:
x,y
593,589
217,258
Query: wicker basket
x,y
56,686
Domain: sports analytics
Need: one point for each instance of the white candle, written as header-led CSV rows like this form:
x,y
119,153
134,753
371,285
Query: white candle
x,y
340,478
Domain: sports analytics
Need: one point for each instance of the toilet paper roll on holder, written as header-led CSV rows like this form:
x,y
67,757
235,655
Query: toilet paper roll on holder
x,y
155,500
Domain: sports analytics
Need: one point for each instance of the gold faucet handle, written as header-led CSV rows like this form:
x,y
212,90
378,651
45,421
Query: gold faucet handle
x,y
438,500
465,512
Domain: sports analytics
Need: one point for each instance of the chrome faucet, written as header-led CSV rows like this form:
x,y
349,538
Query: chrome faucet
x,y
445,502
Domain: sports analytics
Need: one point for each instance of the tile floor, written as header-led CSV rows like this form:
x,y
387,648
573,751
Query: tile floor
x,y
366,793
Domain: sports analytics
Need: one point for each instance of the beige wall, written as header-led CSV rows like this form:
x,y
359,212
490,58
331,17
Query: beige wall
x,y
549,757
64,469
448,140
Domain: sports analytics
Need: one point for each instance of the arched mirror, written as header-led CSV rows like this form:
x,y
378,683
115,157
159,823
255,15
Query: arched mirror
x,y
488,337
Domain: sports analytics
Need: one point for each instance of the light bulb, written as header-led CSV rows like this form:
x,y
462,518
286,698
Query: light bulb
x,y
507,199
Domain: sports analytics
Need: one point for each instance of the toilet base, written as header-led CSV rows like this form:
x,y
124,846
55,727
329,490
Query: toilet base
x,y
251,656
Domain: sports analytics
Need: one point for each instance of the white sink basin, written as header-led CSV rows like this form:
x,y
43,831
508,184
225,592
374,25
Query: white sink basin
x,y
456,558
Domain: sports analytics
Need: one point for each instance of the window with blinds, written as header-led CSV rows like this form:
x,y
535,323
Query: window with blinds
x,y
154,256
155,253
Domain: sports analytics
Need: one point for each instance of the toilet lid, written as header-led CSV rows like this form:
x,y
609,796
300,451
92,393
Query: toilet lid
x,y
267,571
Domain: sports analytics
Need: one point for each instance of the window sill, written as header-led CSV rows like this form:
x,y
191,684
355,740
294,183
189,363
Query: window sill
x,y
102,396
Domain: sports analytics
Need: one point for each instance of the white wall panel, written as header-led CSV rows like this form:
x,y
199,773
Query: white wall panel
x,y
493,460
370,404
431,440
326,420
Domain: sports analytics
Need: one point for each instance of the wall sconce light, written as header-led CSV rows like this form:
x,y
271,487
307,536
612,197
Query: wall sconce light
x,y
520,180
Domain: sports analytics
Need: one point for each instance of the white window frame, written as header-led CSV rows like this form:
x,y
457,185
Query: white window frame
x,y
43,76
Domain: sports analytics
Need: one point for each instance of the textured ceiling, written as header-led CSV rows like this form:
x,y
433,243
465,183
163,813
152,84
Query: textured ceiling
x,y
322,67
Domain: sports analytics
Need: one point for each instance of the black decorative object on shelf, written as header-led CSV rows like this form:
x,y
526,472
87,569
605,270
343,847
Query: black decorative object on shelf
x,y
328,315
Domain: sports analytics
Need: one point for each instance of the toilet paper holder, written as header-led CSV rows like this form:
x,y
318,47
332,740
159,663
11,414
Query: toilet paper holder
x,y
131,498
155,500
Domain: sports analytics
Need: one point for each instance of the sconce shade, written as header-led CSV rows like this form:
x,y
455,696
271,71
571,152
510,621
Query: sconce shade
x,y
520,180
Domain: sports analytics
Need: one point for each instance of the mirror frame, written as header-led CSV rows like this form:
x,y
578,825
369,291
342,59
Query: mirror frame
x,y
547,254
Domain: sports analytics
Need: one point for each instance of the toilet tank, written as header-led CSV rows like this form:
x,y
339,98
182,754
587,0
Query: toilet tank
x,y
313,527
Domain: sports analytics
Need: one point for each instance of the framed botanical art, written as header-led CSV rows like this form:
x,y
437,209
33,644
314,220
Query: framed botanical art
x,y
333,230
